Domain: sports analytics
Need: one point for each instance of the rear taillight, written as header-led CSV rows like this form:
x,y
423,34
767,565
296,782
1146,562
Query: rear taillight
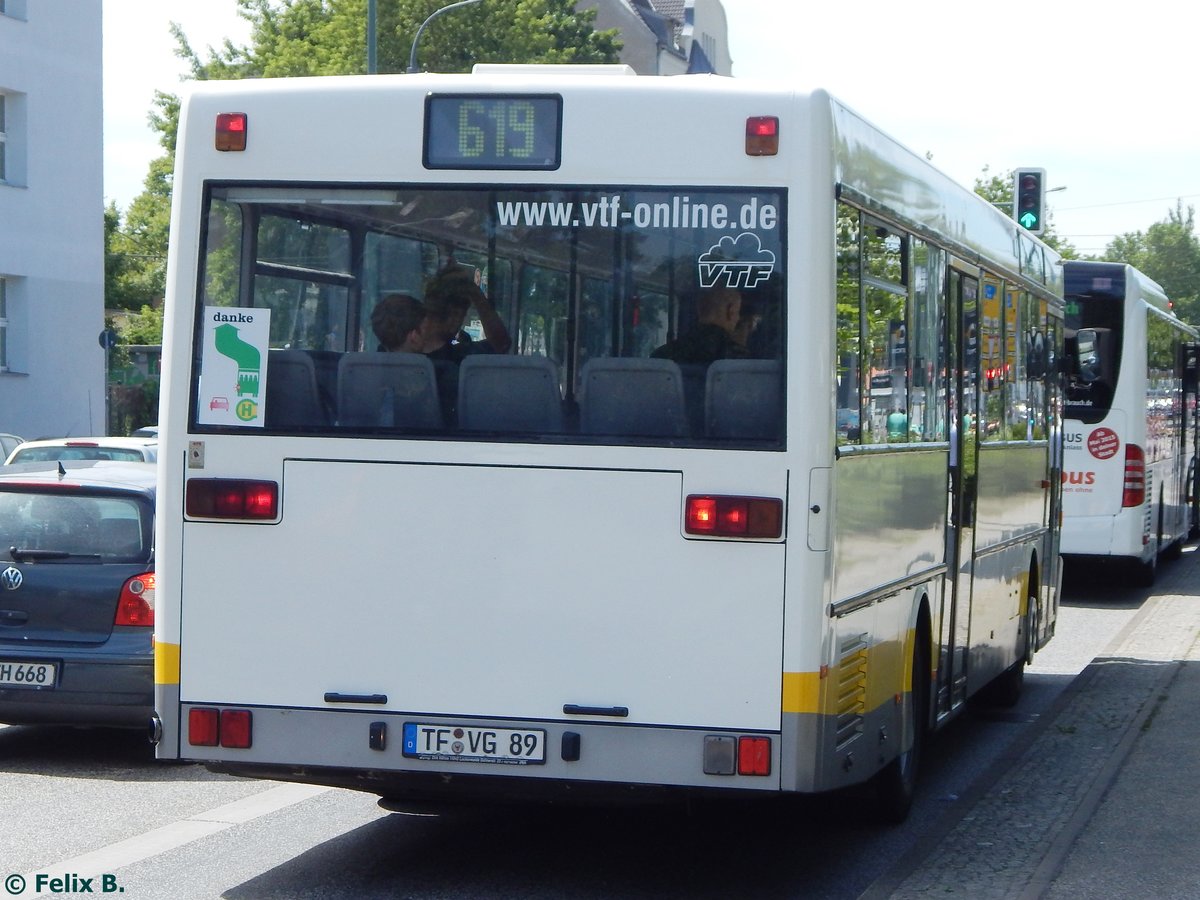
x,y
204,727
136,604
720,516
1134,493
754,756
232,498
231,131
235,728
762,136
208,727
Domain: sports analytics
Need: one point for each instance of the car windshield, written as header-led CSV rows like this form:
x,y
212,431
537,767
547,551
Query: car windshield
x,y
46,526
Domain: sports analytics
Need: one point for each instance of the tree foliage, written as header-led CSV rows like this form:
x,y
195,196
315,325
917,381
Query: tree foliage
x,y
135,251
328,37
1168,252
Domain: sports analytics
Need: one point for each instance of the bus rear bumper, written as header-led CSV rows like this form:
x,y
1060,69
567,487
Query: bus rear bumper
x,y
367,750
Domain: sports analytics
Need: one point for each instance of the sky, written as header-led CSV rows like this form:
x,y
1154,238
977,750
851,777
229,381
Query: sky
x,y
1103,101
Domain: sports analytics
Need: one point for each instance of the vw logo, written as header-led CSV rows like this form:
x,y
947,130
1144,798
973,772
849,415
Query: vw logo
x,y
11,578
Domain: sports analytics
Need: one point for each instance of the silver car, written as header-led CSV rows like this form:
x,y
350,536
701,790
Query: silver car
x,y
131,449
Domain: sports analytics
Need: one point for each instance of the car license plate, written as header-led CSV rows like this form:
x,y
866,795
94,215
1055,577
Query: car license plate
x,y
464,743
14,673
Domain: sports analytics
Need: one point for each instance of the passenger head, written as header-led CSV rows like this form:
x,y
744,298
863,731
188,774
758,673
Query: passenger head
x,y
719,306
394,320
448,296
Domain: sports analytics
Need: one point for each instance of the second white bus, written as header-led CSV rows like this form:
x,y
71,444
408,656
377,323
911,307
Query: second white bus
x,y
1130,435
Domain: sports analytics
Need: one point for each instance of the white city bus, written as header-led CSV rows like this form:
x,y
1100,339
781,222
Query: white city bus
x,y
1130,436
584,567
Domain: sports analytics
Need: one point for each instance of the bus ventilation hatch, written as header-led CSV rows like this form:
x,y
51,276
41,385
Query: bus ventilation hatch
x,y
852,688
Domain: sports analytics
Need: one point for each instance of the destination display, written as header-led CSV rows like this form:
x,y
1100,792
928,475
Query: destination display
x,y
493,131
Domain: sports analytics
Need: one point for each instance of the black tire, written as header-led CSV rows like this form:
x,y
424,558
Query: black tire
x,y
1146,573
1005,690
896,784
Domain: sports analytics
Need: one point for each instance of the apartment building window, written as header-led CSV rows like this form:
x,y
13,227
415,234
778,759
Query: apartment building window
x,y
3,132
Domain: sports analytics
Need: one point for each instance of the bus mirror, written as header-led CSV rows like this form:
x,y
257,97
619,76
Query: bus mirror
x,y
1087,356
1190,354
1092,356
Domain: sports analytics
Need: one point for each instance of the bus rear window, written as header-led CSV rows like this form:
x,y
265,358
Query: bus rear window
x,y
584,315
1099,318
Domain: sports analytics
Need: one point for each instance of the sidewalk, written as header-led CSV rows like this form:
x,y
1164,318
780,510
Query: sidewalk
x,y
1102,803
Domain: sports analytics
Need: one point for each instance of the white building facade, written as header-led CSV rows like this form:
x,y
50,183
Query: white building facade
x,y
667,37
51,218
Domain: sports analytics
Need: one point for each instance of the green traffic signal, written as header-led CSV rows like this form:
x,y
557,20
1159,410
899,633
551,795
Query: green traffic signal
x,y
1029,198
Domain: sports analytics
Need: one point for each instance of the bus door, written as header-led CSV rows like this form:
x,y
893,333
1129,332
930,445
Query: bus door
x,y
1189,365
960,530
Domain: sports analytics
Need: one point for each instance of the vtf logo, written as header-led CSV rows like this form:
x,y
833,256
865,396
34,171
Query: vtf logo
x,y
739,262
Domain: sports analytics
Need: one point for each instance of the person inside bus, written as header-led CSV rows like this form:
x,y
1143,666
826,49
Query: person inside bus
x,y
396,321
715,334
449,295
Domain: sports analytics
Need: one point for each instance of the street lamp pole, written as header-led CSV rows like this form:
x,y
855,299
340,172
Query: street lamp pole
x,y
412,58
371,37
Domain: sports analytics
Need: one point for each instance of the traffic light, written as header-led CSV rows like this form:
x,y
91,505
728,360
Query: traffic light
x,y
1029,199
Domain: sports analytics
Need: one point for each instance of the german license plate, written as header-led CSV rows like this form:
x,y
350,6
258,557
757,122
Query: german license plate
x,y
18,673
468,743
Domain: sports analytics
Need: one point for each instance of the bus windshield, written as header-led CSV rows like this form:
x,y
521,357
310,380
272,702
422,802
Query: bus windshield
x,y
608,314
1095,362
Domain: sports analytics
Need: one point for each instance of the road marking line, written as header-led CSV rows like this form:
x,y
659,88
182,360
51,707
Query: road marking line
x,y
169,837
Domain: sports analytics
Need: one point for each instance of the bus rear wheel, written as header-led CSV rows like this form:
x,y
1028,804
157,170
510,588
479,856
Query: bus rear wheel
x,y
1145,572
896,784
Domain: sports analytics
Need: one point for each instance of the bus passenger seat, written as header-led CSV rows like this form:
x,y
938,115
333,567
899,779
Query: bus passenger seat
x,y
292,400
509,394
743,398
633,398
388,390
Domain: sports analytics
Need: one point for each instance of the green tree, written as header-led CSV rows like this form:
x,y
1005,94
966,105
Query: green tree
x,y
136,250
144,327
997,189
328,37
1169,252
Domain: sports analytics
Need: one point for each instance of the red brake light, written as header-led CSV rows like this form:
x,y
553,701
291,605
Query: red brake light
x,y
754,756
235,728
1134,493
209,727
755,517
136,603
232,498
231,131
203,727
762,136
701,515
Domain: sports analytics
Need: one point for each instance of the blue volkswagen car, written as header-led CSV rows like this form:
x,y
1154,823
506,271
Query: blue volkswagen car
x,y
77,593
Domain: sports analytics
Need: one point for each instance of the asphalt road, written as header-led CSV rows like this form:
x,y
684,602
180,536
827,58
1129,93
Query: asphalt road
x,y
95,804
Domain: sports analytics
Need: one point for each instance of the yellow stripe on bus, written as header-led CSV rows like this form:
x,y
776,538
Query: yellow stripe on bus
x,y
801,692
166,663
